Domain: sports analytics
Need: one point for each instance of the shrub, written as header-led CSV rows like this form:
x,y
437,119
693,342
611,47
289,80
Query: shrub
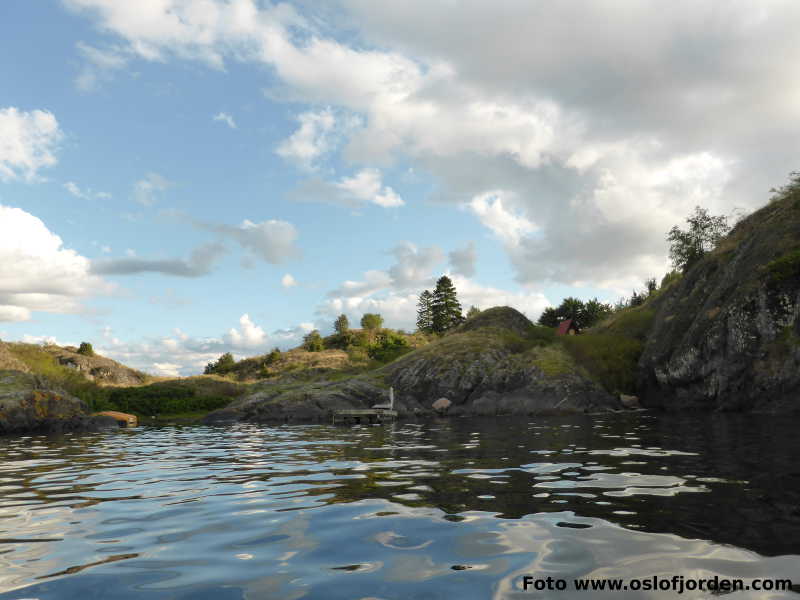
x,y
785,268
312,342
86,349
388,346
162,399
223,364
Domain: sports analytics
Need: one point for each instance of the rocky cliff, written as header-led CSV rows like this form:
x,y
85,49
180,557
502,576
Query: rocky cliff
x,y
29,404
727,335
496,363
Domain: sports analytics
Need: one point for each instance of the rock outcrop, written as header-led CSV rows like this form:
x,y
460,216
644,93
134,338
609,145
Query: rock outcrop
x,y
96,368
727,335
27,404
485,367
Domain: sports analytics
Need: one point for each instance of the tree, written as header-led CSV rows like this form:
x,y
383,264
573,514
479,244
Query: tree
x,y
86,349
651,286
312,342
549,317
571,308
223,364
704,233
371,321
445,307
593,312
342,325
585,314
473,312
425,312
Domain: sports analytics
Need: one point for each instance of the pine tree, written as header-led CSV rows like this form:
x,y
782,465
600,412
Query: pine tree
x,y
445,308
473,311
425,312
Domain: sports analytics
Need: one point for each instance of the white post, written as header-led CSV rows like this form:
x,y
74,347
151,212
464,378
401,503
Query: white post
x,y
391,398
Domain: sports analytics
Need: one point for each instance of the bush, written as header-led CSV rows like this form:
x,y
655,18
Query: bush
x,y
785,268
312,342
86,349
224,364
163,399
388,346
272,357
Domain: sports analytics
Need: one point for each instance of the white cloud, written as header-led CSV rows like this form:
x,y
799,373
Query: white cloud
x,y
146,190
225,118
288,281
374,281
46,340
28,142
564,131
506,225
200,262
366,186
463,260
36,272
87,194
181,354
98,65
414,265
249,335
311,140
272,241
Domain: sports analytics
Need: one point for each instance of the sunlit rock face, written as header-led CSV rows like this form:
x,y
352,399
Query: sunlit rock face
x,y
727,335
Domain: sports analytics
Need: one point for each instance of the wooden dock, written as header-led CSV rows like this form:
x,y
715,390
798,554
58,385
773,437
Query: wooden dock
x,y
363,416
379,413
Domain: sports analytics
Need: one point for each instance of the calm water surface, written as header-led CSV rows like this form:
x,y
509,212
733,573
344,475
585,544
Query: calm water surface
x,y
457,508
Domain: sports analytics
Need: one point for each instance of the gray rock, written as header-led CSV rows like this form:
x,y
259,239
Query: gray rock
x,y
29,404
727,335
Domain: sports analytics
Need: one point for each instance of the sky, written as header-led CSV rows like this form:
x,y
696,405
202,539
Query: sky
x,y
183,178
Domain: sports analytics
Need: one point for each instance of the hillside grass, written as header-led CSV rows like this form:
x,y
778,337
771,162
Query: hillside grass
x,y
42,363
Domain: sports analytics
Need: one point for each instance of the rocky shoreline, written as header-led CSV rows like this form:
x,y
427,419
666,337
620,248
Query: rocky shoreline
x,y
29,405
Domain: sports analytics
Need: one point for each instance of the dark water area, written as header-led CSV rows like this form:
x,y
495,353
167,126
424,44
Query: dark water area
x,y
461,508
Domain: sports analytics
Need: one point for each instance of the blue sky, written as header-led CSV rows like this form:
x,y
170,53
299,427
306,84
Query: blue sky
x,y
180,178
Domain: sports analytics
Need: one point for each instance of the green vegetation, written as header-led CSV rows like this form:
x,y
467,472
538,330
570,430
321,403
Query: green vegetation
x,y
86,349
473,311
705,231
42,363
584,314
445,307
425,312
312,342
371,321
790,190
341,325
172,397
389,345
553,360
609,359
785,268
224,364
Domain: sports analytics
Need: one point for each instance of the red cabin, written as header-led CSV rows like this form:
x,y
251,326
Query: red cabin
x,y
567,327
